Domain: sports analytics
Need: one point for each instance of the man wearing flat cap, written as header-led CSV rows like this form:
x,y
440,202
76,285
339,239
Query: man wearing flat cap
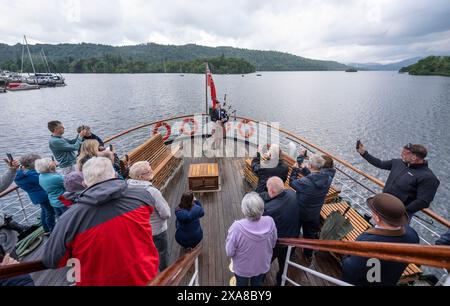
x,y
391,226
409,179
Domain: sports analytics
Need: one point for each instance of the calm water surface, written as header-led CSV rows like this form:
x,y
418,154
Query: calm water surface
x,y
332,109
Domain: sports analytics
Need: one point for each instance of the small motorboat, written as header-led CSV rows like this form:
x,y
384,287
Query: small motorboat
x,y
21,86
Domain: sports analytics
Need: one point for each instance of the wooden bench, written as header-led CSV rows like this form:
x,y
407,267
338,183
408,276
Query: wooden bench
x,y
252,179
163,161
360,225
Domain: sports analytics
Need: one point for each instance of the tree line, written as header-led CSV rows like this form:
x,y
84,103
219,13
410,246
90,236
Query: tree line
x,y
117,64
150,57
432,65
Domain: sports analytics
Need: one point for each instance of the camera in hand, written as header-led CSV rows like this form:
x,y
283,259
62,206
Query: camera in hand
x,y
300,159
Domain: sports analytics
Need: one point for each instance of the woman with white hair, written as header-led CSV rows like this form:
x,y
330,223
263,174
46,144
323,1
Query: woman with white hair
x,y
52,183
28,180
250,242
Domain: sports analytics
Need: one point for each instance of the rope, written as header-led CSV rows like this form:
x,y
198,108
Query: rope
x,y
29,243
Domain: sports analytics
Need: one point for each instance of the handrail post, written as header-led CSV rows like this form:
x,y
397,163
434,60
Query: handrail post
x,y
21,205
286,264
197,281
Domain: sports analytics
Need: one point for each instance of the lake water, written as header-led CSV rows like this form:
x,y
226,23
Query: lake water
x,y
332,109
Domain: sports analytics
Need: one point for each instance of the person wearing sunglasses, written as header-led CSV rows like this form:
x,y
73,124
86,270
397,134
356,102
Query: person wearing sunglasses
x,y
410,179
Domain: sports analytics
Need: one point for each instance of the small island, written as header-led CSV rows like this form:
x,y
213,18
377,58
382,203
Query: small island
x,y
351,70
432,65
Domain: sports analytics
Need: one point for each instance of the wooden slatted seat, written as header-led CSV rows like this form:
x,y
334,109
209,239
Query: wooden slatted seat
x,y
252,179
161,158
360,225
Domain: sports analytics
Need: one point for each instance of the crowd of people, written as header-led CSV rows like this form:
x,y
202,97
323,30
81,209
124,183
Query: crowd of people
x,y
411,186
91,210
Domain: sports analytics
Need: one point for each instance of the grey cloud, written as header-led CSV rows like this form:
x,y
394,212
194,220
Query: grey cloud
x,y
348,30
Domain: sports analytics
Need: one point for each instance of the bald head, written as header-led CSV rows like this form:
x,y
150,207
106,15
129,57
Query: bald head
x,y
275,186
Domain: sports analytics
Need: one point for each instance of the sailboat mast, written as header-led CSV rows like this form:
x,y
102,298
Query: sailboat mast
x,y
29,54
45,61
21,67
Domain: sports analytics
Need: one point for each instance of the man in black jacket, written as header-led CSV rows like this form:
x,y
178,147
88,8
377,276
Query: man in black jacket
x,y
285,211
409,179
271,165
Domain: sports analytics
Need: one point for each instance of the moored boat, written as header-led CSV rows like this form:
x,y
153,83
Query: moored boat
x,y
21,86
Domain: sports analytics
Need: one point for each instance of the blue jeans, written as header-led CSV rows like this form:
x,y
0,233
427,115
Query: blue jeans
x,y
162,245
254,281
47,216
59,211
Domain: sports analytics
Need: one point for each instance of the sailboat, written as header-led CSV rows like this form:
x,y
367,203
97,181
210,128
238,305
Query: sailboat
x,y
47,78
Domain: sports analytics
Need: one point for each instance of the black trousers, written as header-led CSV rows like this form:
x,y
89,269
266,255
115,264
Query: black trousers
x,y
280,253
310,230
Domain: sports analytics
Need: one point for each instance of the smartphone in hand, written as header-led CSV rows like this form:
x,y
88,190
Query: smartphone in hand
x,y
111,147
53,158
10,157
358,144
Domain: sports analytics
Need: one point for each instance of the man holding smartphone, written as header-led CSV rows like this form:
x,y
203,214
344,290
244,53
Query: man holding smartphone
x,y
409,179
64,150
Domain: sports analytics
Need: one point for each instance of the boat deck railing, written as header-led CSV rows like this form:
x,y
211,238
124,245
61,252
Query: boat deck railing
x,y
355,185
431,256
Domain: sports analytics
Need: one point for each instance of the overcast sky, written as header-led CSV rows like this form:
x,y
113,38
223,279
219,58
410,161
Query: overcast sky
x,y
343,30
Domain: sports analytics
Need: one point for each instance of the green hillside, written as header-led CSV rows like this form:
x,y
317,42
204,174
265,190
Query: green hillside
x,y
150,57
432,65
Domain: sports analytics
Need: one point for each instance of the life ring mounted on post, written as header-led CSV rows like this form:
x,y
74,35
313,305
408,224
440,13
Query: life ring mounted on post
x,y
166,126
248,133
194,127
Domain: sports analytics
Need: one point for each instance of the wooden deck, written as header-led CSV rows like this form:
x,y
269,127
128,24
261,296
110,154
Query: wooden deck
x,y
222,208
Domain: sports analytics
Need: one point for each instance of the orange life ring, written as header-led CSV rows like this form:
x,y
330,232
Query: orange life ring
x,y
166,126
251,129
193,130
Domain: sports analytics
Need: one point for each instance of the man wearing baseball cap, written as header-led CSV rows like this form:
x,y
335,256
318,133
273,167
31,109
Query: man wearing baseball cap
x,y
391,220
409,179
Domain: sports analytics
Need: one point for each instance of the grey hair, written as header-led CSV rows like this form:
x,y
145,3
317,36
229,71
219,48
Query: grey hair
x,y
138,169
252,206
276,184
28,160
43,165
316,162
98,169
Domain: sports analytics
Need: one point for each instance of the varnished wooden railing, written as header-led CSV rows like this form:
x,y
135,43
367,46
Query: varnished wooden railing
x,y
173,275
21,268
13,187
433,256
